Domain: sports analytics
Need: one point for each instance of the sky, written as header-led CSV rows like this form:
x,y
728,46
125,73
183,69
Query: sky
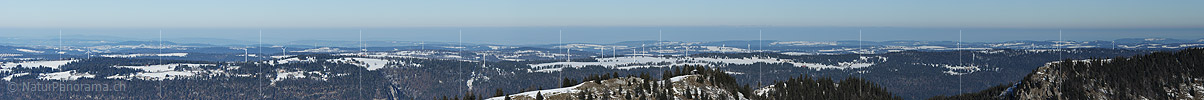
x,y
605,21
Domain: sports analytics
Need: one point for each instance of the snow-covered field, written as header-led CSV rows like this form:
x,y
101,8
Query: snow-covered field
x,y
631,62
163,67
149,72
140,55
803,43
956,69
9,55
53,64
547,92
283,75
164,75
372,63
65,75
10,77
29,51
164,72
322,49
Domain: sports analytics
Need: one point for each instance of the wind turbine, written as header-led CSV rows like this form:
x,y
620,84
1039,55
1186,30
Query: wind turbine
x,y
687,52
361,42
460,43
160,45
483,60
246,56
644,49
568,52
60,48
560,39
283,51
259,46
859,54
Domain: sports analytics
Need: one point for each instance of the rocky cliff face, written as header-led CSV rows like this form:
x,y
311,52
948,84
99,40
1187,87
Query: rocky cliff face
x,y
1047,82
1159,76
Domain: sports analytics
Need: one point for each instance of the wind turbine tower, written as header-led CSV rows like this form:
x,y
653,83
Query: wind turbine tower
x,y
60,47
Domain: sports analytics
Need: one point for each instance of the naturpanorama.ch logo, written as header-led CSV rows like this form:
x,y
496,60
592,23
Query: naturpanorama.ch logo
x,y
64,87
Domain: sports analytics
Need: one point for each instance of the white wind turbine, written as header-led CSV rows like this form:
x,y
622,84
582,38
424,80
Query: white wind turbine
x,y
283,51
959,59
568,52
160,46
361,42
687,52
246,56
60,47
859,75
560,39
260,45
460,43
483,60
721,47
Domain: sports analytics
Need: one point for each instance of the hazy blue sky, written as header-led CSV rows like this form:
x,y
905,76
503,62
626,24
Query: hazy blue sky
x,y
435,13
606,21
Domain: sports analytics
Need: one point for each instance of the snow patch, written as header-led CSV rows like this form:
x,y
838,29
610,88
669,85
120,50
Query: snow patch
x,y
9,55
548,92
30,51
164,72
679,78
32,64
282,75
164,67
803,43
733,73
371,63
630,62
65,75
954,69
322,49
137,55
10,77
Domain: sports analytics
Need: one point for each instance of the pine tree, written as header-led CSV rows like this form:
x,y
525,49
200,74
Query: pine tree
x,y
499,92
538,96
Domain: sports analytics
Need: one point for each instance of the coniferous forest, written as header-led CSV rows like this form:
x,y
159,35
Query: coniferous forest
x,y
802,87
1160,75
